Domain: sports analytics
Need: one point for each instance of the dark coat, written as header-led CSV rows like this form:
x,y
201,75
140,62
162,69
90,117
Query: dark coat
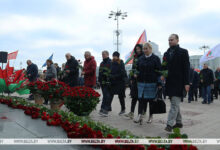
x,y
134,89
178,67
118,78
148,69
217,75
196,80
51,73
33,71
104,72
191,75
90,72
72,78
207,76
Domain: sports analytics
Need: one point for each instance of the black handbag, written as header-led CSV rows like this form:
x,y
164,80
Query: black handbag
x,y
158,104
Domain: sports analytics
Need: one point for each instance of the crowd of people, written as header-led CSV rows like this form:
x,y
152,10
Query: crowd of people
x,y
147,80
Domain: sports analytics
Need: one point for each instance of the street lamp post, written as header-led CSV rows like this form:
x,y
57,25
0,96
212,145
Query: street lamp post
x,y
116,15
204,47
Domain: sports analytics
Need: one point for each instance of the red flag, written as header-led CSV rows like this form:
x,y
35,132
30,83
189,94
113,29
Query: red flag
x,y
7,73
142,39
12,55
1,73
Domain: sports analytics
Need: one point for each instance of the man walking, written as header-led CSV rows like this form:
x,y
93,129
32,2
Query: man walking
x,y
207,78
176,62
104,80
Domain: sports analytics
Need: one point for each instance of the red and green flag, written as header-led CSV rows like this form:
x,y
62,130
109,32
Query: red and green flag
x,y
142,39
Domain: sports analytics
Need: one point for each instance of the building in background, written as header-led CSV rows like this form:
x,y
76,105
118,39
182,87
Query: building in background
x,y
213,64
155,48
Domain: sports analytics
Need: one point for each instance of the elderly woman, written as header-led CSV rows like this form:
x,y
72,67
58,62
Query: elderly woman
x,y
148,79
51,73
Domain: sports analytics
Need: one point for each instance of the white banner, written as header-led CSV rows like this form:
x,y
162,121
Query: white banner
x,y
211,54
109,141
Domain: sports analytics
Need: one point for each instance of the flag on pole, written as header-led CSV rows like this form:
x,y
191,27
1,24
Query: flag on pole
x,y
50,58
142,39
12,55
211,54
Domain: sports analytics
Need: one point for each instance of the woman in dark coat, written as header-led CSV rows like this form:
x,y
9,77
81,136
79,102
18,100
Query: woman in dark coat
x,y
117,79
148,78
134,90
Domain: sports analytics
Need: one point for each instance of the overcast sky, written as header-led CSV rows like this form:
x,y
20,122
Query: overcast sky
x,y
38,28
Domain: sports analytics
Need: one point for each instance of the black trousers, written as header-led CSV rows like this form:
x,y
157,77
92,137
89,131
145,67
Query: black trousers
x,y
121,100
142,107
133,104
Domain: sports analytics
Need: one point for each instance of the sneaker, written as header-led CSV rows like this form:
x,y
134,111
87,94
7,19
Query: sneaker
x,y
168,128
121,113
130,115
150,119
104,113
178,125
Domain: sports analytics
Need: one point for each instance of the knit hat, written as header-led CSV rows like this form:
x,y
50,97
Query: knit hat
x,y
116,54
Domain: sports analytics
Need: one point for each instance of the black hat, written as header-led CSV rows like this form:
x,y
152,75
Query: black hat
x,y
116,54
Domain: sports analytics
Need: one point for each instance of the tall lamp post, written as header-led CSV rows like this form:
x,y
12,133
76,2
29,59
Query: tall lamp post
x,y
116,15
204,47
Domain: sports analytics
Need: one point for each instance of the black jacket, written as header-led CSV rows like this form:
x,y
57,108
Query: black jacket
x,y
148,69
178,67
33,71
191,75
105,71
207,76
72,77
217,75
118,77
134,89
196,80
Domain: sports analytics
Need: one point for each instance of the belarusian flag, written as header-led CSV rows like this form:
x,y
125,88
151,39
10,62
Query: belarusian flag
x,y
142,39
211,54
12,55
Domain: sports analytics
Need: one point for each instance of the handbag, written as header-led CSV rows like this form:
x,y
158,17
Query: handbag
x,y
158,105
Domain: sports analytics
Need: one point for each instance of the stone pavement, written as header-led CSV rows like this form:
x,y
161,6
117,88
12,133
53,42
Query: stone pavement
x,y
15,124
199,120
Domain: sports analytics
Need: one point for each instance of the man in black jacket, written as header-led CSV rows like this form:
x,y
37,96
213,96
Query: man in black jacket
x,y
71,71
32,74
176,62
207,79
104,80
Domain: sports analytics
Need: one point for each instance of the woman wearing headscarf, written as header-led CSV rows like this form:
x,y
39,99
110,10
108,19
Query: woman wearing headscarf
x,y
117,79
134,90
148,79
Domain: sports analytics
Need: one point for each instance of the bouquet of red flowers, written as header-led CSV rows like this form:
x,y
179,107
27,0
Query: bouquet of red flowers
x,y
53,90
36,87
81,100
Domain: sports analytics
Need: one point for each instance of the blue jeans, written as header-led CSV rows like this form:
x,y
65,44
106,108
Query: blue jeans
x,y
107,98
206,92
